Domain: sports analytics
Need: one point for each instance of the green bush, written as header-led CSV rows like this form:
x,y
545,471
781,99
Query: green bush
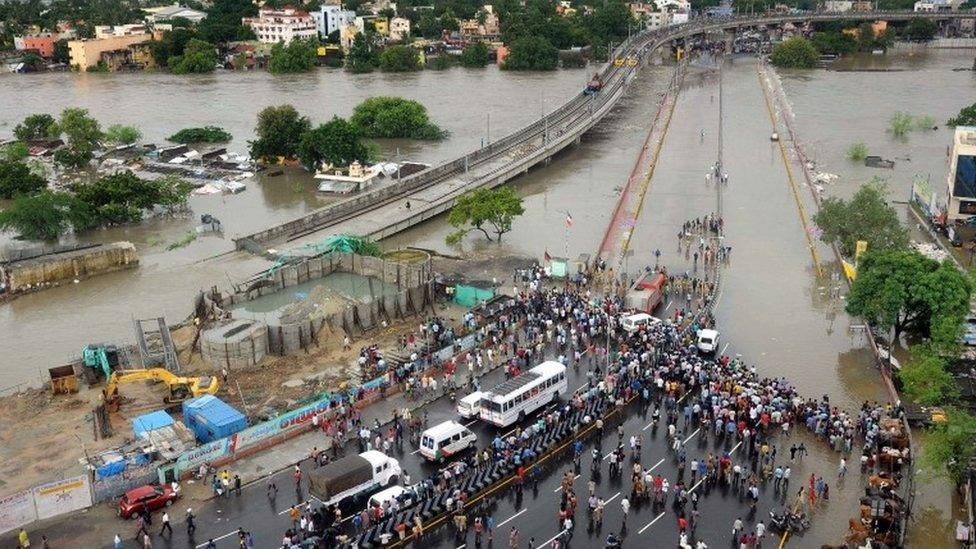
x,y
474,55
900,124
795,53
17,179
531,53
297,56
966,117
122,135
206,134
390,117
400,58
857,152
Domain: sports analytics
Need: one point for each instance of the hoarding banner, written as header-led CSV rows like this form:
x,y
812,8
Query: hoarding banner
x,y
16,510
62,496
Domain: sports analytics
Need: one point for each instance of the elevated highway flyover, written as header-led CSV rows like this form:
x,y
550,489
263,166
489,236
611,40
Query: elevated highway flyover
x,y
382,212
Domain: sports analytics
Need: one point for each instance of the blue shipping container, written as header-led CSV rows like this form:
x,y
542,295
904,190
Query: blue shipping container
x,y
211,418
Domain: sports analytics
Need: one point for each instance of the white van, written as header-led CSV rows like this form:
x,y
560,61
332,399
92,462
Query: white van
x,y
708,341
470,406
445,439
632,323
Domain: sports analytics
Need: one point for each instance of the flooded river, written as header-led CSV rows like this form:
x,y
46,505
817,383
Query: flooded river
x,y
772,309
45,329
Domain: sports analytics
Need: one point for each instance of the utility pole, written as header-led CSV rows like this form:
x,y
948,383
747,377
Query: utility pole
x,y
718,164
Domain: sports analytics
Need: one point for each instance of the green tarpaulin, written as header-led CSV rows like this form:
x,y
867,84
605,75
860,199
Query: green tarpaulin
x,y
469,296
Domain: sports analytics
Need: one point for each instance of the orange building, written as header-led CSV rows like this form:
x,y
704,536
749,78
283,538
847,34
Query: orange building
x,y
42,42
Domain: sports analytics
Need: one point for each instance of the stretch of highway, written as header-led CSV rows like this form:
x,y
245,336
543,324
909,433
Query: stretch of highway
x,y
387,210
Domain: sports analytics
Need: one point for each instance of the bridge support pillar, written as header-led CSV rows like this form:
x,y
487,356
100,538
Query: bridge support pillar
x,y
729,38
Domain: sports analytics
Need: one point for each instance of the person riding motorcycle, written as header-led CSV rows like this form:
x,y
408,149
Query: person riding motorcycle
x,y
612,542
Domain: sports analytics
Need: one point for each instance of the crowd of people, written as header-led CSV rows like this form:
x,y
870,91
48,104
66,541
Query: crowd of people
x,y
717,397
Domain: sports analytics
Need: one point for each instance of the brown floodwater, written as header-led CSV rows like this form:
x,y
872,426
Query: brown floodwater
x,y
772,310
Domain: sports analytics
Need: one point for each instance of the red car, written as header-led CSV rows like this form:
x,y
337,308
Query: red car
x,y
150,497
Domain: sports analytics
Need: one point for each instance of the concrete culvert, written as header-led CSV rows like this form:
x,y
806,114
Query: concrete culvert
x,y
235,344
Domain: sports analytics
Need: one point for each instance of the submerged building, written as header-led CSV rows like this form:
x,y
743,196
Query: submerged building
x,y
961,184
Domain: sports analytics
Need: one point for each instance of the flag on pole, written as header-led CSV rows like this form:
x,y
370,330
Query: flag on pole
x,y
569,220
548,258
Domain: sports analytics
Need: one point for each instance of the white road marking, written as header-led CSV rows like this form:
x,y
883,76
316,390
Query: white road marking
x,y
581,387
415,452
691,436
547,542
470,423
648,426
462,546
724,348
736,447
509,519
649,524
225,536
696,485
613,497
668,306
560,488
655,465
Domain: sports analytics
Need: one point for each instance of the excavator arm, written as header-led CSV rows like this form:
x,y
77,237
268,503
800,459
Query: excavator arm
x,y
180,388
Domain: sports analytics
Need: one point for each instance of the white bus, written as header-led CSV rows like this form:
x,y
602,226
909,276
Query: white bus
x,y
518,397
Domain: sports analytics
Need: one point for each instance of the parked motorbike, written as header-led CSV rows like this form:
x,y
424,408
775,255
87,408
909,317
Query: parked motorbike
x,y
786,521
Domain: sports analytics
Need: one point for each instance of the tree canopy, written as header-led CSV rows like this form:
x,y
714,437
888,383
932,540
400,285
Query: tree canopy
x,y
296,56
949,447
123,197
198,57
37,126
82,133
389,117
904,291
490,211
337,142
866,216
362,56
16,179
400,58
121,134
966,117
279,130
925,379
921,30
206,134
795,53
531,53
474,55
46,215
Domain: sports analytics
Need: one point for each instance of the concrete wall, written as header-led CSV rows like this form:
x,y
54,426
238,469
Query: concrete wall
x,y
235,344
55,268
413,295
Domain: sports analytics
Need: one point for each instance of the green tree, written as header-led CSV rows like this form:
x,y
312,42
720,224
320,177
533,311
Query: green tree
x,y
122,134
123,197
16,179
18,150
531,53
834,42
949,448
921,30
46,215
37,126
795,53
198,57
279,130
206,134
337,142
171,44
391,117
866,216
925,379
400,58
966,117
83,134
900,123
362,56
297,56
486,210
904,291
441,62
61,52
865,36
223,21
475,55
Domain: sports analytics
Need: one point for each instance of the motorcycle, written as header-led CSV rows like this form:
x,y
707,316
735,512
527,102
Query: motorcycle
x,y
612,542
786,521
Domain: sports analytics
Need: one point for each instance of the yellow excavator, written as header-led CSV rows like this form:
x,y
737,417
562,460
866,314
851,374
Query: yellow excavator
x,y
180,388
